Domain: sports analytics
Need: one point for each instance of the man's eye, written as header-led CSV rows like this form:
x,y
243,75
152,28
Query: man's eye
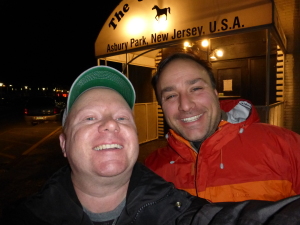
x,y
197,88
90,118
121,118
170,96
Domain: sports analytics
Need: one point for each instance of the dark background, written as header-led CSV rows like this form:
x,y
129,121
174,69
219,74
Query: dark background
x,y
49,42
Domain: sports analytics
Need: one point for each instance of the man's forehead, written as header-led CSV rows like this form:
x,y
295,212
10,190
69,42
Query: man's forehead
x,y
189,67
190,73
196,81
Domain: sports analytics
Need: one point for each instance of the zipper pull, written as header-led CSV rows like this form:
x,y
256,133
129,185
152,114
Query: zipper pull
x,y
221,164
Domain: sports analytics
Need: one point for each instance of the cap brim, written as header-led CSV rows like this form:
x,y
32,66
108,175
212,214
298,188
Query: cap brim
x,y
102,76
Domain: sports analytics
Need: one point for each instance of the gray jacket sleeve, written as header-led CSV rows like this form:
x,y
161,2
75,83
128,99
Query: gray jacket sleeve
x,y
252,212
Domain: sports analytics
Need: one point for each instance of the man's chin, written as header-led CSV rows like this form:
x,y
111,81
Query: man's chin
x,y
111,173
193,136
112,168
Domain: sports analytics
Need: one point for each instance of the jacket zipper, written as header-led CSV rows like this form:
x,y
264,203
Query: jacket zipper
x,y
148,204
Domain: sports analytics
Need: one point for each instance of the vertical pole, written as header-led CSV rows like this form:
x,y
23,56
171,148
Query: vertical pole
x,y
268,52
208,50
127,67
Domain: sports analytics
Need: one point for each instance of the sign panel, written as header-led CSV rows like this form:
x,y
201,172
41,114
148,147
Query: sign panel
x,y
137,24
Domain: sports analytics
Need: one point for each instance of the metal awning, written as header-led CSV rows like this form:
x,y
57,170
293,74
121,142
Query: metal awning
x,y
138,27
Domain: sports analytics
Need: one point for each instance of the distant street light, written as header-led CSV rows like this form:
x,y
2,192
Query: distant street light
x,y
1,85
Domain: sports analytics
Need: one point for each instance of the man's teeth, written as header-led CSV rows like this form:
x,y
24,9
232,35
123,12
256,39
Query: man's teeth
x,y
112,146
191,119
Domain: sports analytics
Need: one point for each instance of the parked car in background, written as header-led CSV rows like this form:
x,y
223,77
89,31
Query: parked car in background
x,y
40,109
61,102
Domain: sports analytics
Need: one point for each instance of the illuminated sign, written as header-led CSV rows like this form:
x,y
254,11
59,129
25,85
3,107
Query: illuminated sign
x,y
139,24
118,16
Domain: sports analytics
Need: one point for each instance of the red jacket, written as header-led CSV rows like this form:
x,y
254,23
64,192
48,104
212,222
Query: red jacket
x,y
240,161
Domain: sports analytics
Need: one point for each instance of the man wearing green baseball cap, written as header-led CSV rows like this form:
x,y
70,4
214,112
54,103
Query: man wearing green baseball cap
x,y
103,183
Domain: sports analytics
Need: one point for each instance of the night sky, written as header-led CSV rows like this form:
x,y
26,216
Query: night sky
x,y
46,42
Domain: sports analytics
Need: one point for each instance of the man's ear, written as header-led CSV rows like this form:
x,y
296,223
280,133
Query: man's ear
x,y
216,92
62,141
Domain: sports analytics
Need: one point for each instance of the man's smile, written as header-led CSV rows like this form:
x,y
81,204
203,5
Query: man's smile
x,y
108,146
191,119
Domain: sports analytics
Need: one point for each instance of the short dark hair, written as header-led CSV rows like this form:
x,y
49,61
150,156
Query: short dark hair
x,y
180,55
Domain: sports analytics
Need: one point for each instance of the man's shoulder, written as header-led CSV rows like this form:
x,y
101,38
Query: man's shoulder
x,y
142,175
58,186
267,134
148,189
148,181
273,129
55,198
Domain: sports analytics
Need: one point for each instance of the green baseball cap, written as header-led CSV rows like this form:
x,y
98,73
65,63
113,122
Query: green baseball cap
x,y
100,76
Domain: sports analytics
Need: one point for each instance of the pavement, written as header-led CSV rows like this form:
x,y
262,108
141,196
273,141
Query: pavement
x,y
28,174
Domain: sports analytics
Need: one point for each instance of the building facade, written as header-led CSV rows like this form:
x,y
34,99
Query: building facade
x,y
252,45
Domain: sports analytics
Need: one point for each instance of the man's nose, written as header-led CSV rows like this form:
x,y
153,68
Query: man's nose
x,y
109,124
185,103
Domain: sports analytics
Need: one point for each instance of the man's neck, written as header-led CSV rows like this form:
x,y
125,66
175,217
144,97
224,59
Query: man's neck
x,y
197,144
99,198
224,116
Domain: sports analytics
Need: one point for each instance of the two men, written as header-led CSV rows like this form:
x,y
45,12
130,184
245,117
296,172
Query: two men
x,y
218,150
103,183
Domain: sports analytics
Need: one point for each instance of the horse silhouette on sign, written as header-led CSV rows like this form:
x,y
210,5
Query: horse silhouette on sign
x,y
160,12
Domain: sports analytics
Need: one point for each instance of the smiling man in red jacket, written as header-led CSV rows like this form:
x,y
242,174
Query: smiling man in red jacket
x,y
218,150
